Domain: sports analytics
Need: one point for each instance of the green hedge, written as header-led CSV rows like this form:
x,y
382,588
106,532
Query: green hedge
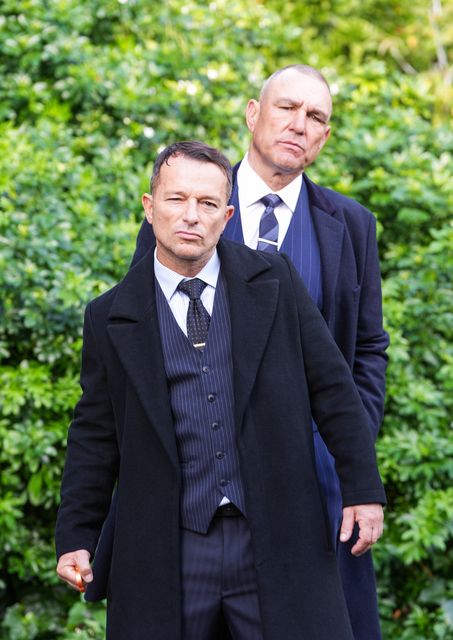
x,y
90,91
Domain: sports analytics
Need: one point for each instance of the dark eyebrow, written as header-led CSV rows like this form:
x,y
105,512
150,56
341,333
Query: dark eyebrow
x,y
176,192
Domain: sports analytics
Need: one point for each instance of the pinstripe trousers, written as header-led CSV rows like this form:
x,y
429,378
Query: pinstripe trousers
x,y
219,591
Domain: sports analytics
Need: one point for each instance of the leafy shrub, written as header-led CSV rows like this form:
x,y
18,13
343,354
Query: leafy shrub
x,y
90,92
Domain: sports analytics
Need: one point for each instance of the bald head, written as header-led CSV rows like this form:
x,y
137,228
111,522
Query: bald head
x,y
289,124
290,71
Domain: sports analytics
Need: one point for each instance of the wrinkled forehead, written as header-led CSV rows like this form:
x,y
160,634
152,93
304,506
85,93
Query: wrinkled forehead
x,y
298,87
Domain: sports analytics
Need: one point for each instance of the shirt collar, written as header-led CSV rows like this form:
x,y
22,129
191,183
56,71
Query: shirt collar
x,y
254,187
169,279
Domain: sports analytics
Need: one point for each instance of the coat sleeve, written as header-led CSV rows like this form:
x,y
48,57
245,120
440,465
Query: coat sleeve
x,y
370,358
336,405
92,456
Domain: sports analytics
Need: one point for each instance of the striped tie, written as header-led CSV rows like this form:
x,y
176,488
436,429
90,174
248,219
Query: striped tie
x,y
268,233
197,316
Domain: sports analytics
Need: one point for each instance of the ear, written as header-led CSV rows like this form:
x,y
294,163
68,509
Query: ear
x,y
325,137
228,214
252,112
147,202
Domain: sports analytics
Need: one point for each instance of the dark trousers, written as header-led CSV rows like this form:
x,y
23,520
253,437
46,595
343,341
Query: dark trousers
x,y
219,591
359,586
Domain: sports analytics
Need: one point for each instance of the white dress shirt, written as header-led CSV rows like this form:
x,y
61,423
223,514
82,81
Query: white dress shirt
x,y
251,188
178,300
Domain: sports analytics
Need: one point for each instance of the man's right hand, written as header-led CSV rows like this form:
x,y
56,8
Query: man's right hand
x,y
74,568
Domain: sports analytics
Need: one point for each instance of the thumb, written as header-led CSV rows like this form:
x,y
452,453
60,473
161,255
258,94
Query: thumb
x,y
82,565
347,524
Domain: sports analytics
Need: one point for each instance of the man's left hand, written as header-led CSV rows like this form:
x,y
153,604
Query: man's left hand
x,y
370,518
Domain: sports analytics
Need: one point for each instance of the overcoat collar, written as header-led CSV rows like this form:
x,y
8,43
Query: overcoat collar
x,y
134,331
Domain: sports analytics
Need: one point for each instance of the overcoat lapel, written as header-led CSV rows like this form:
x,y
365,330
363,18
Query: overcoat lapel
x,y
134,331
330,237
253,304
329,231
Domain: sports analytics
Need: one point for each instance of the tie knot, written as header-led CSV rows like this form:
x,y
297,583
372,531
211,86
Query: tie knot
x,y
271,200
192,288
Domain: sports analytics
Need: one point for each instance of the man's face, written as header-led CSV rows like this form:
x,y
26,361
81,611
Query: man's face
x,y
289,125
188,211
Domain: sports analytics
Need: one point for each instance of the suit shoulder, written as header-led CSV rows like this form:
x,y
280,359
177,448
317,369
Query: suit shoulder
x,y
241,254
100,306
332,200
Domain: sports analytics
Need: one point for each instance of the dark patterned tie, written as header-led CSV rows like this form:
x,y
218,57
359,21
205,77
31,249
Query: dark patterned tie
x,y
197,316
268,233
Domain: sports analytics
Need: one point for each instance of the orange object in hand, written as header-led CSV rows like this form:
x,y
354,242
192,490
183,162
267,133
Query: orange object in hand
x,y
79,580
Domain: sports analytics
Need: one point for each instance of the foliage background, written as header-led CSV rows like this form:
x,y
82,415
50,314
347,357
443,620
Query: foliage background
x,y
89,91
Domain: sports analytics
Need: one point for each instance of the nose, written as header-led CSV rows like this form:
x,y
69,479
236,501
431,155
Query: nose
x,y
299,121
191,211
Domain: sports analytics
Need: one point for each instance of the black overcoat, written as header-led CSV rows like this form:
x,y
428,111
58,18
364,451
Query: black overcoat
x,y
286,368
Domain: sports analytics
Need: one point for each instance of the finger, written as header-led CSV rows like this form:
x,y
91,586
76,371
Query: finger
x,y
376,533
347,524
368,536
360,548
83,567
75,569
362,545
71,575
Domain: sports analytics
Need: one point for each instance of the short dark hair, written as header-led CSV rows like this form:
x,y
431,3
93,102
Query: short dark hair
x,y
197,151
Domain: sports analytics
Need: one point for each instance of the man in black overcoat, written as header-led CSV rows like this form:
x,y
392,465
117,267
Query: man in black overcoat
x,y
201,371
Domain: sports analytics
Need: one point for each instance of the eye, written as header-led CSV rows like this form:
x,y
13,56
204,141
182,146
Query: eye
x,y
316,118
209,204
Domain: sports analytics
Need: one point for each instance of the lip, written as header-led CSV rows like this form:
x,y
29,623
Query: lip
x,y
188,235
291,144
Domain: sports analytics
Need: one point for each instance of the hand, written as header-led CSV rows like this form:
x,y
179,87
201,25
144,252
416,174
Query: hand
x,y
370,518
74,568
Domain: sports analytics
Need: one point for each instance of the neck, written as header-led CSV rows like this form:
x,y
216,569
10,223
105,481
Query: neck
x,y
275,178
185,267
